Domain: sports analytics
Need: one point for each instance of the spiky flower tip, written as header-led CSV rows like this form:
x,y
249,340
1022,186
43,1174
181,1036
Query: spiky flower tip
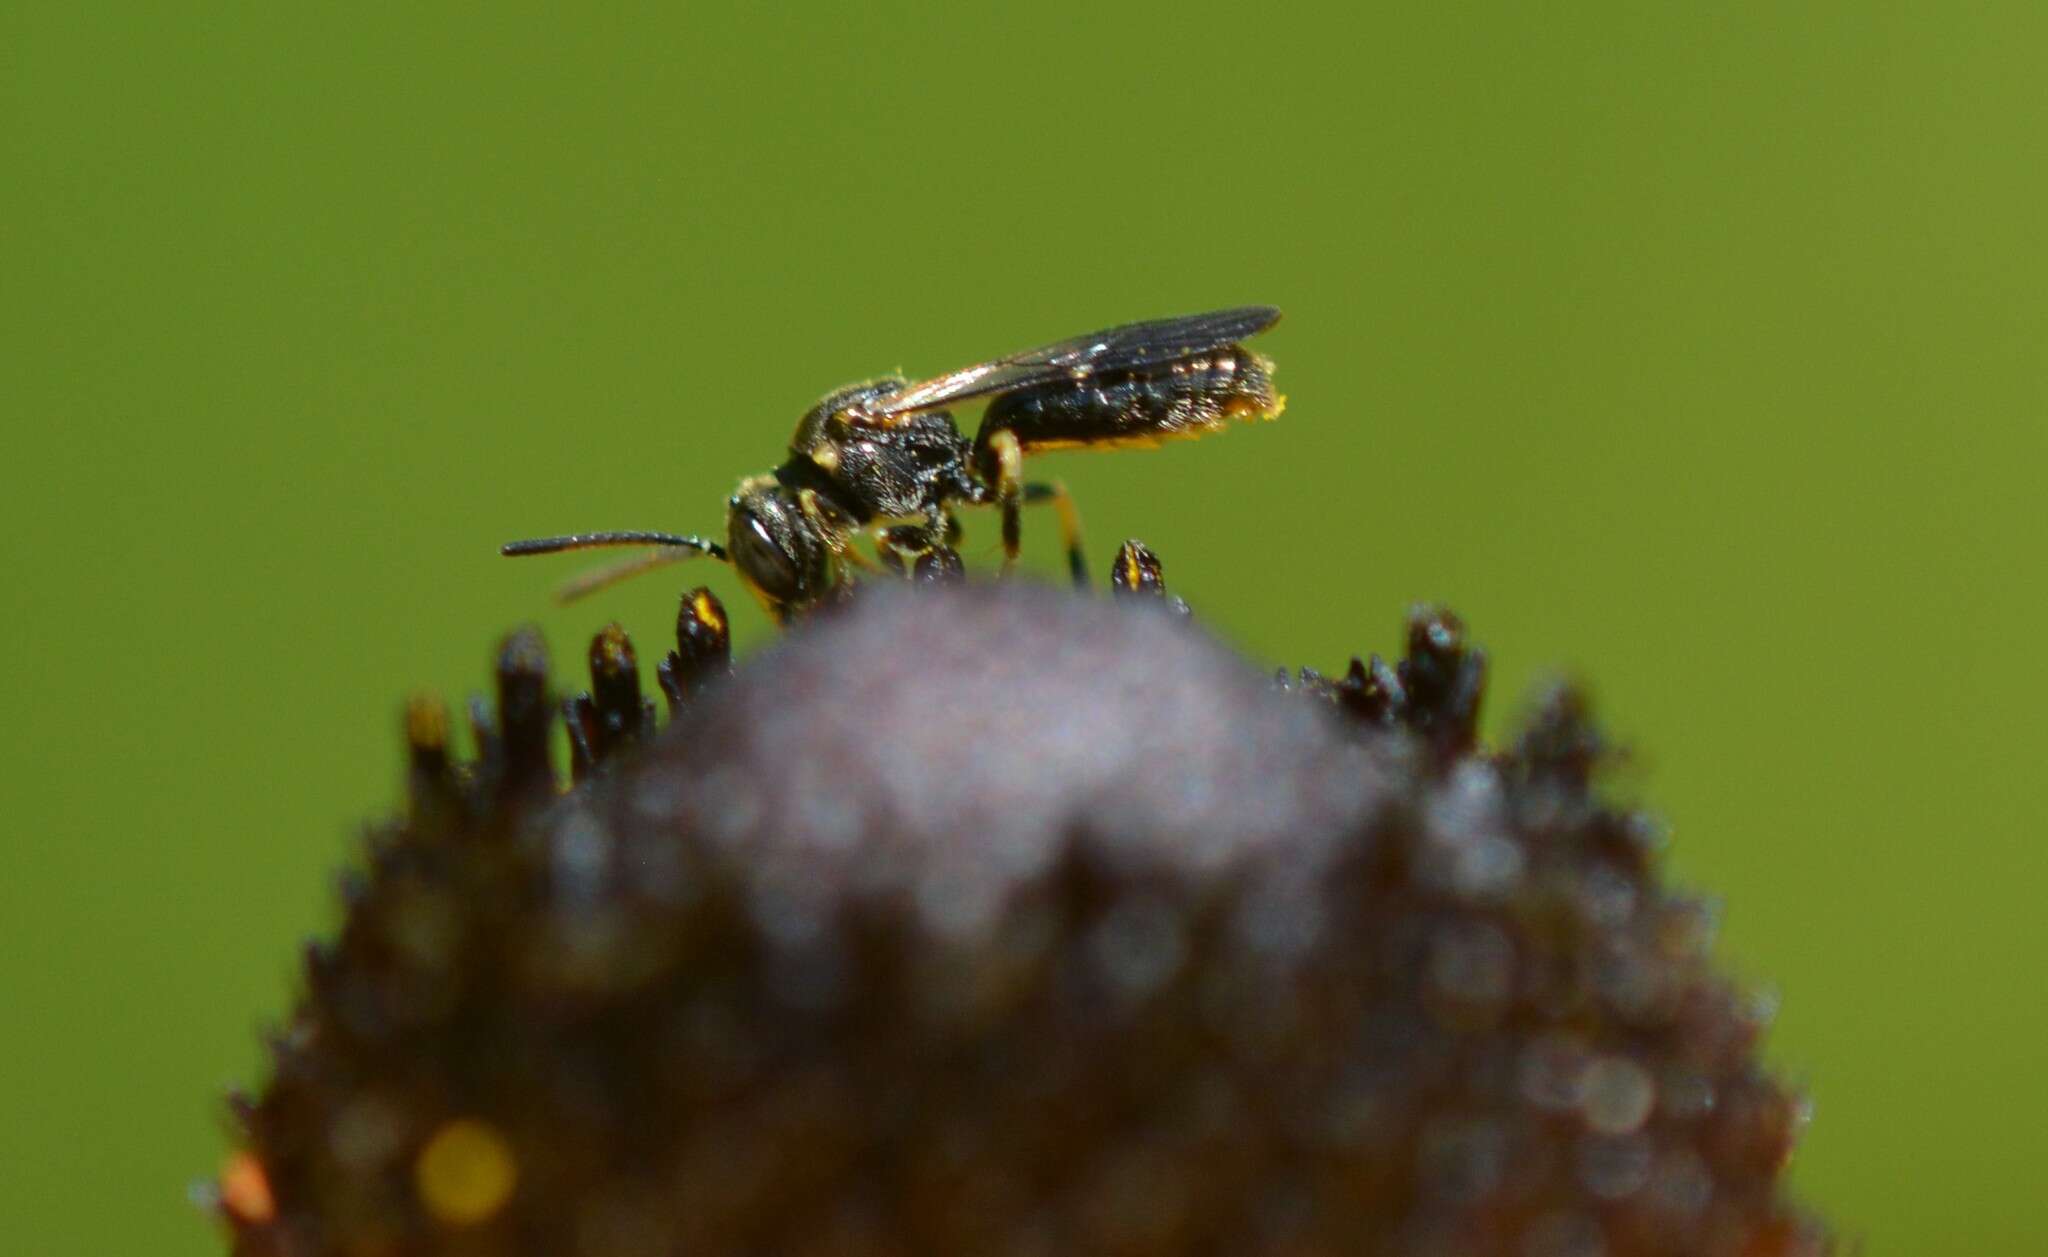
x,y
996,920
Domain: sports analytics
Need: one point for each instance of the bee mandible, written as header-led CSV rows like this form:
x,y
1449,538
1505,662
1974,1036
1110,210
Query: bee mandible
x,y
883,459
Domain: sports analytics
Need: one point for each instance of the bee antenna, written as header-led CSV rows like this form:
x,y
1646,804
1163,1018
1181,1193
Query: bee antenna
x,y
593,540
670,548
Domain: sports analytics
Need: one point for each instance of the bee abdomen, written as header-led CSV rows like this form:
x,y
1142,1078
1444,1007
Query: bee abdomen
x,y
1138,407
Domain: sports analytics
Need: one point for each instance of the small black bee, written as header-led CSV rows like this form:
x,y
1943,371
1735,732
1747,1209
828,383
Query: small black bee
x,y
883,458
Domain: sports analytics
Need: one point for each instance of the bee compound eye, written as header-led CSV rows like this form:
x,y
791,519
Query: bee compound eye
x,y
762,559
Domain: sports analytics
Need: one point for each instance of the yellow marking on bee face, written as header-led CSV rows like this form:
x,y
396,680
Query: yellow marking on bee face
x,y
465,1173
773,606
827,458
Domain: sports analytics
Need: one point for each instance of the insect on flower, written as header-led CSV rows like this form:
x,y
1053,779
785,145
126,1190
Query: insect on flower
x,y
882,459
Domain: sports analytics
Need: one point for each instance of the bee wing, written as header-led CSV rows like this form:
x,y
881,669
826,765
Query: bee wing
x,y
1128,347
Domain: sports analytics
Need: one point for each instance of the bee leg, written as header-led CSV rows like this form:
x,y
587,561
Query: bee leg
x,y
1008,458
901,545
1070,525
832,532
1012,493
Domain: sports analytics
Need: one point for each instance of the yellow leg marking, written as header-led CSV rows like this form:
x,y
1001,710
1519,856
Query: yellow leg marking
x,y
1070,525
890,555
1009,492
1012,493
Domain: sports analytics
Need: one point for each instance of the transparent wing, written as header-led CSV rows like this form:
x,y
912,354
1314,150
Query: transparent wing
x,y
1128,347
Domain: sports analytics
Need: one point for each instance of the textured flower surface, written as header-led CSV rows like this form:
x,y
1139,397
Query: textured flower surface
x,y
996,920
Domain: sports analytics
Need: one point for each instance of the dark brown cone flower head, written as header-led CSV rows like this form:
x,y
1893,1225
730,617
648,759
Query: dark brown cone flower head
x,y
973,919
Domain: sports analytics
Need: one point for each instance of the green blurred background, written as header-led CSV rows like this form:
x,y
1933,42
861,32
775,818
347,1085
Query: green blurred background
x,y
1697,349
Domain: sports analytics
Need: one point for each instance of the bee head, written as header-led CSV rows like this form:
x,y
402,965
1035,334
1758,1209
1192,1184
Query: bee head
x,y
775,547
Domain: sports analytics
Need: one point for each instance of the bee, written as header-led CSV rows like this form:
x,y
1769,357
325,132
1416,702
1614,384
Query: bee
x,y
883,461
